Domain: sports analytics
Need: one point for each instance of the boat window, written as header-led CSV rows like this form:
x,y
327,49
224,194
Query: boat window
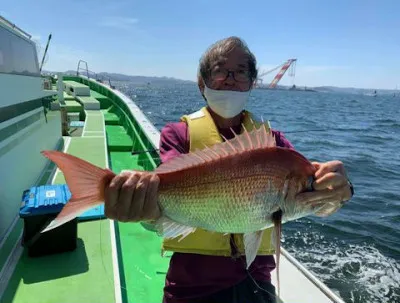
x,y
5,50
17,55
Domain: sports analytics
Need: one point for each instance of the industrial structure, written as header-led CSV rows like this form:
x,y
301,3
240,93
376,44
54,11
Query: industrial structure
x,y
289,65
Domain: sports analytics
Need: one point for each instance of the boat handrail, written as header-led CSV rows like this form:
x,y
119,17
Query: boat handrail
x,y
79,68
14,27
96,76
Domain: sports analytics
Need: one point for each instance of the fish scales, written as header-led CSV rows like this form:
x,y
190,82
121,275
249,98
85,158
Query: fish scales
x,y
227,195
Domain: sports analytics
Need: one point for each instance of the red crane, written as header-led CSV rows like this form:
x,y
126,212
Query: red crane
x,y
288,65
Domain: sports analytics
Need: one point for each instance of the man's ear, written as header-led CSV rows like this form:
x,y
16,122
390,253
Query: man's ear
x,y
201,85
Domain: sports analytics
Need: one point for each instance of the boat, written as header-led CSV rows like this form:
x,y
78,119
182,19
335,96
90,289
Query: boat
x,y
103,260
374,94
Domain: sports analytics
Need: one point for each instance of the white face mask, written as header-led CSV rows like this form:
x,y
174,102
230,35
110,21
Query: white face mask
x,y
226,103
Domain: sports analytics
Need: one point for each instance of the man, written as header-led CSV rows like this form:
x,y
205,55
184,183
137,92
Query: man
x,y
209,267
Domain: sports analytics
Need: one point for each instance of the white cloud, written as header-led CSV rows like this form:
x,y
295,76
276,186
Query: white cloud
x,y
118,22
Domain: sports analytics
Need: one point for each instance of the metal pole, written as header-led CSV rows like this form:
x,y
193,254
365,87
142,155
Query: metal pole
x,y
45,52
63,108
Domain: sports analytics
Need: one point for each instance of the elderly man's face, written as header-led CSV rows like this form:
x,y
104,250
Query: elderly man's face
x,y
230,72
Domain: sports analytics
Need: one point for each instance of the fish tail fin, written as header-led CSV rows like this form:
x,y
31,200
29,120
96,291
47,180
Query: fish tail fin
x,y
85,181
277,218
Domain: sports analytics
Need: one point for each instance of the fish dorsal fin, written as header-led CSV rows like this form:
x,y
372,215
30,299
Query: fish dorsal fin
x,y
251,139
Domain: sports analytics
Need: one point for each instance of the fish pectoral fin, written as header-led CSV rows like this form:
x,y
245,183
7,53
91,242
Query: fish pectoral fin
x,y
168,228
252,242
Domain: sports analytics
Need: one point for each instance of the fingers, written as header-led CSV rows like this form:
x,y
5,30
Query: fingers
x,y
317,165
132,197
125,197
331,166
151,210
136,210
330,180
111,195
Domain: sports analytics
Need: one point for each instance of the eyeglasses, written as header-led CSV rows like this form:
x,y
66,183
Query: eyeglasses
x,y
241,75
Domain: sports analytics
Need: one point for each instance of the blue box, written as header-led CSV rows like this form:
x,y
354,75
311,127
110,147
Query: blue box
x,y
77,124
40,205
50,199
46,199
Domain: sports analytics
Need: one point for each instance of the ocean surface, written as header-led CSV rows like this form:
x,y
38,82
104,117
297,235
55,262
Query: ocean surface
x,y
355,251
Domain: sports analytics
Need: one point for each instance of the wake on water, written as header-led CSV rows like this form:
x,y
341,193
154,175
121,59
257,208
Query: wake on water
x,y
360,271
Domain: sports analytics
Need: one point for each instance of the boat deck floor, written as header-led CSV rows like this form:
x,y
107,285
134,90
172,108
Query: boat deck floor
x,y
85,274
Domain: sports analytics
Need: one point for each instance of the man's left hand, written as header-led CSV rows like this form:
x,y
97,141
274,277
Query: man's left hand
x,y
331,188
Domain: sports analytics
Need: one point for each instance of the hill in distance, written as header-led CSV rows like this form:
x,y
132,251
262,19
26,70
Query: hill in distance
x,y
137,80
145,80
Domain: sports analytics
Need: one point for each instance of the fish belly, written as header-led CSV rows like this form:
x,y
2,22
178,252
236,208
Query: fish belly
x,y
236,205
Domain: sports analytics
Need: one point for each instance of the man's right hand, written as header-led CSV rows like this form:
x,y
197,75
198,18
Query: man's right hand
x,y
132,197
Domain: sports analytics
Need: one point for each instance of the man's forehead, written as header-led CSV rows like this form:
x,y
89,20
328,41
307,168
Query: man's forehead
x,y
241,61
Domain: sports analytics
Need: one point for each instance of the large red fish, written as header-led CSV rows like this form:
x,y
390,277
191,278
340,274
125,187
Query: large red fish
x,y
243,185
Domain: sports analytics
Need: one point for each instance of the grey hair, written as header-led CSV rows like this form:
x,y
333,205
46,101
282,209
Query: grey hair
x,y
223,47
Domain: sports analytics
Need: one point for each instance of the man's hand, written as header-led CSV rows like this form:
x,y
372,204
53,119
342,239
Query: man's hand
x,y
331,188
132,197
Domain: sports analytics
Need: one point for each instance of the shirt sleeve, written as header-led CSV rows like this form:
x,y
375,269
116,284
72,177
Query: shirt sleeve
x,y
281,140
173,141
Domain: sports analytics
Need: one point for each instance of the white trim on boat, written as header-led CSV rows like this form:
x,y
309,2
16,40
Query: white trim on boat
x,y
117,282
84,126
67,142
151,131
94,131
114,254
20,117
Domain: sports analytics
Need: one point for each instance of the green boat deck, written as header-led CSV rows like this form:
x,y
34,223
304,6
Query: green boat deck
x,y
113,262
84,275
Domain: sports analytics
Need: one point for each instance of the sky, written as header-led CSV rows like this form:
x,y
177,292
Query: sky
x,y
339,43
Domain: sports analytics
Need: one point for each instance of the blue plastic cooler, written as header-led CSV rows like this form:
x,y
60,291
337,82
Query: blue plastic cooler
x,y
40,205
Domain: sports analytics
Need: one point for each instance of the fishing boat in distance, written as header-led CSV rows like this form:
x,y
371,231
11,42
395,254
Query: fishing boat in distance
x,y
373,94
91,258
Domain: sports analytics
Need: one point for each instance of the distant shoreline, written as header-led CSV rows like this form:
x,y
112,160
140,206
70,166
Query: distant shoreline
x,y
147,80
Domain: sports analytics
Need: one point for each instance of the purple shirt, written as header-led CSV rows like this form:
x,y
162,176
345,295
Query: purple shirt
x,y
193,275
